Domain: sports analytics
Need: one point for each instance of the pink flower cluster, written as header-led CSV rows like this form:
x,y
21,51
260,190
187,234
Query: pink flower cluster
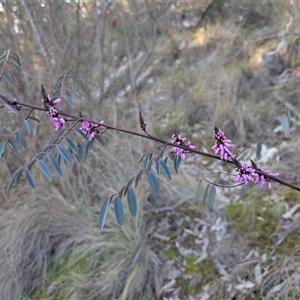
x,y
55,120
222,144
52,102
89,129
247,174
181,141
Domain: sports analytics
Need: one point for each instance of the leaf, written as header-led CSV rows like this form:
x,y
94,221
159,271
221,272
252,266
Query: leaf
x,y
70,100
147,159
30,178
103,213
64,153
34,119
258,150
12,109
157,167
119,211
54,163
99,139
13,145
153,183
129,184
19,140
2,147
0,127
138,177
141,158
12,178
198,188
73,147
165,169
122,191
44,169
205,192
131,201
26,126
211,197
177,162
80,156
285,124
82,134
217,178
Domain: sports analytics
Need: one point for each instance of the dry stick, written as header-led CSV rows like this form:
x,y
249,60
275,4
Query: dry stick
x,y
20,105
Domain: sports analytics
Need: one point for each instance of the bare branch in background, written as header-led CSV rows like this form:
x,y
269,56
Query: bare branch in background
x,y
101,38
38,37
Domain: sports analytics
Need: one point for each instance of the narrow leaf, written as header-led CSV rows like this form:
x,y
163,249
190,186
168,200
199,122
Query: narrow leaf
x,y
153,183
34,119
119,211
30,178
211,197
70,100
141,158
177,162
12,143
147,159
13,178
64,153
19,140
26,126
157,167
205,192
82,134
73,147
138,177
54,163
131,201
99,139
103,213
0,127
198,188
258,150
285,124
12,109
44,169
165,169
129,184
217,178
2,147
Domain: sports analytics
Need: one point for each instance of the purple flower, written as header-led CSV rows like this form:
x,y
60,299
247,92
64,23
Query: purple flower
x,y
246,174
52,112
222,144
261,178
181,141
58,123
56,101
89,129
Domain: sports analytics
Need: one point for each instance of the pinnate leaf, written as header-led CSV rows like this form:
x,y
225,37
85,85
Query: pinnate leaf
x,y
64,153
44,168
131,201
54,163
30,178
119,211
103,213
26,126
153,183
